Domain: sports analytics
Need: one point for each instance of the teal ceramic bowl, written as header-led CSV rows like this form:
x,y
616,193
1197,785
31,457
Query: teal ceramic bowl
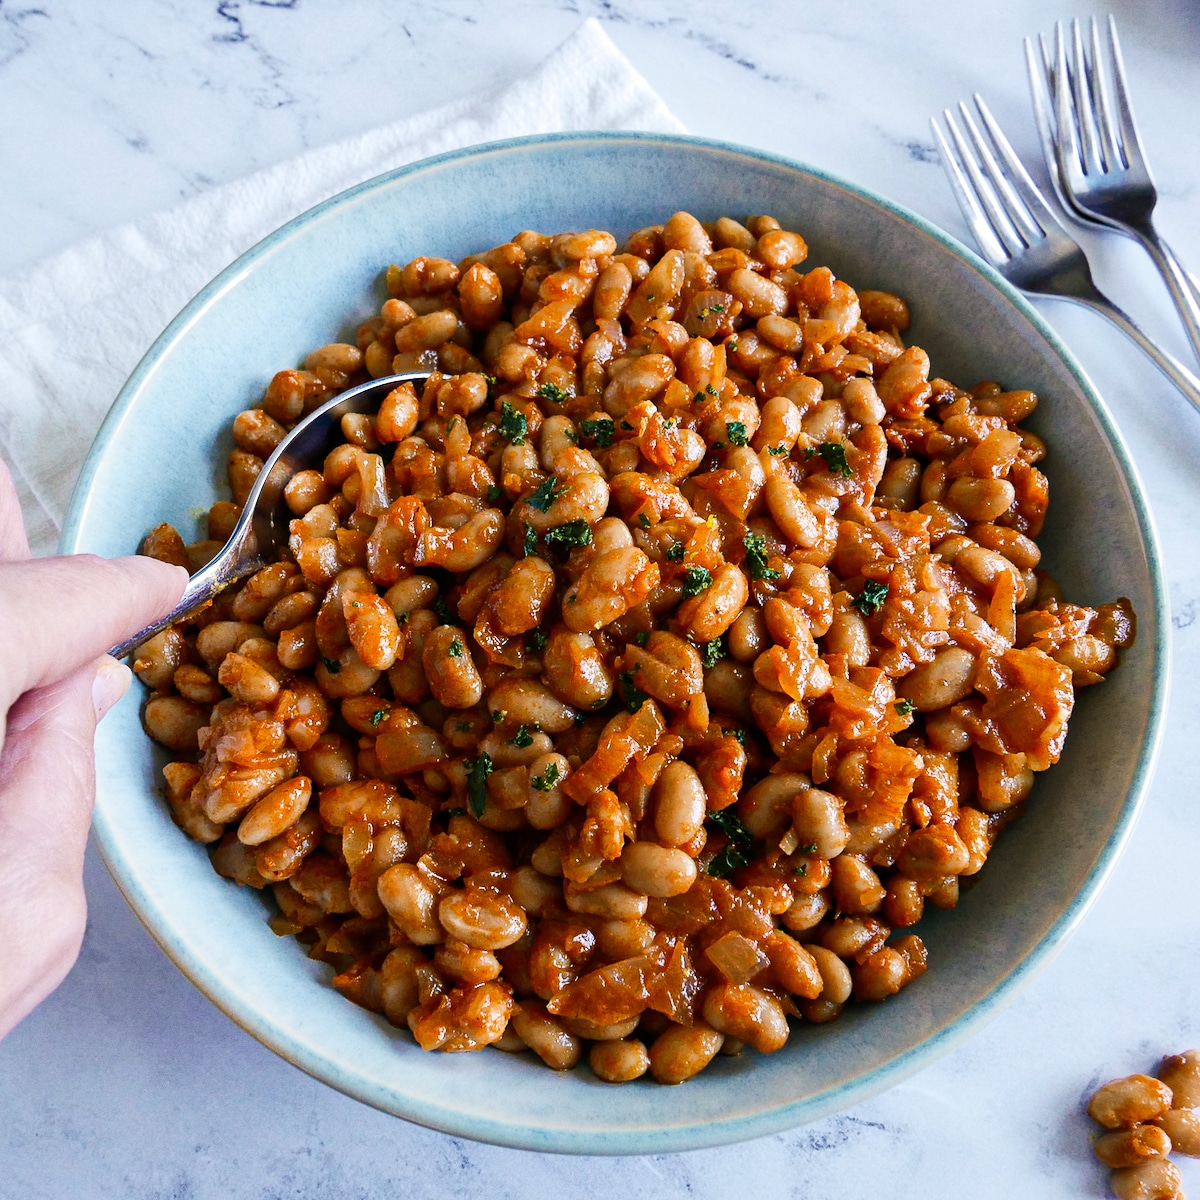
x,y
158,455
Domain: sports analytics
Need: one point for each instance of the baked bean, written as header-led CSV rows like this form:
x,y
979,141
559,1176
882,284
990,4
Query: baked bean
x,y
1181,1073
679,804
412,902
933,853
681,1051
1153,1179
174,722
452,674
836,983
856,887
940,683
1127,1102
657,870
708,615
619,1061
861,402
819,823
278,810
156,660
1182,1126
614,900
1128,1147
545,1036
751,1015
780,249
806,912
758,296
881,975
980,500
481,919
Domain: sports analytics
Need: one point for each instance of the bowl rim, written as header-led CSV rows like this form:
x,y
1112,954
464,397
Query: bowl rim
x,y
663,1138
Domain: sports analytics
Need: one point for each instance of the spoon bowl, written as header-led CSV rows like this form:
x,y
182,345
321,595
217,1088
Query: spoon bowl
x,y
263,526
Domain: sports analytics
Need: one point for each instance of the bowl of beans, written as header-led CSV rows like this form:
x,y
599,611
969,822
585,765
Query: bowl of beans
x,y
648,690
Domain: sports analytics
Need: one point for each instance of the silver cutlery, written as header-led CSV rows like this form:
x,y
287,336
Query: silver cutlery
x,y
1020,236
264,524
1094,154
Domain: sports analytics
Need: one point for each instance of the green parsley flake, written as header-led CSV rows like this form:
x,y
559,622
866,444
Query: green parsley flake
x,y
739,736
553,393
494,493
736,431
378,715
905,707
547,779
756,557
808,848
696,580
633,695
499,715
738,851
601,430
521,738
712,308
834,454
643,520
776,451
513,424
477,773
332,665
445,613
573,533
870,600
529,542
641,637
545,494
732,344
462,726
802,870
712,652
675,552
456,649
536,640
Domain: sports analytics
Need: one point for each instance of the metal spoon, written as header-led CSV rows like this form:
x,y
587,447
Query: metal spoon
x,y
263,526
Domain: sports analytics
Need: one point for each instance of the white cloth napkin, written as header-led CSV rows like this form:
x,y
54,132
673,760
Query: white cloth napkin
x,y
73,326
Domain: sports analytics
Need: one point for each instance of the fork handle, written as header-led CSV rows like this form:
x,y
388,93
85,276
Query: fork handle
x,y
1170,366
1179,283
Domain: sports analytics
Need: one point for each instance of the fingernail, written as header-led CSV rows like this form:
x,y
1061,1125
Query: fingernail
x,y
110,684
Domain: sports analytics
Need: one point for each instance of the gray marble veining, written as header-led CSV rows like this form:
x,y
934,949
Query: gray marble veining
x,y
127,1082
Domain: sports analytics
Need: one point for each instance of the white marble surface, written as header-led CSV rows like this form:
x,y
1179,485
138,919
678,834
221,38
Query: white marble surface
x,y
129,1083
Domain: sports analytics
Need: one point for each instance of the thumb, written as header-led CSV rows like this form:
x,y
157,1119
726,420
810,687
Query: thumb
x,y
47,787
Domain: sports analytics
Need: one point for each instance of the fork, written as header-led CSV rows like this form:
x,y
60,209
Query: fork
x,y
1020,236
1094,154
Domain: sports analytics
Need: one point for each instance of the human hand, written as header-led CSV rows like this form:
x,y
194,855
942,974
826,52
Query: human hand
x,y
57,618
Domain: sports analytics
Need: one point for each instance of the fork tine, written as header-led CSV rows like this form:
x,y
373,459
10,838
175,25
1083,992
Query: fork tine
x,y
1084,104
1131,146
964,193
1068,143
1041,212
1015,208
1040,85
1109,134
984,182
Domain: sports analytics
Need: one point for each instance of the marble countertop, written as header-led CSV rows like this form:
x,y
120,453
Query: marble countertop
x,y
127,1082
